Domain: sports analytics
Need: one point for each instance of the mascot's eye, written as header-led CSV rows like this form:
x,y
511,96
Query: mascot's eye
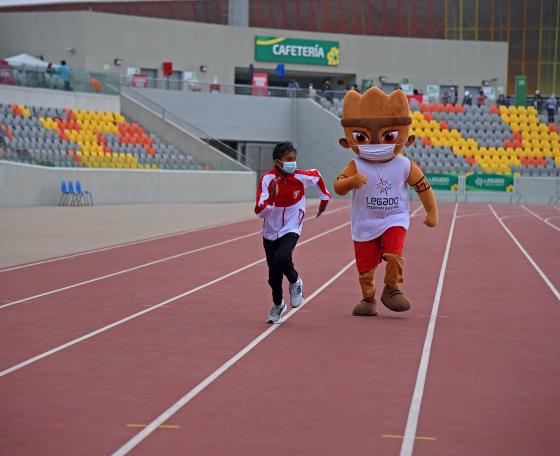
x,y
390,136
360,137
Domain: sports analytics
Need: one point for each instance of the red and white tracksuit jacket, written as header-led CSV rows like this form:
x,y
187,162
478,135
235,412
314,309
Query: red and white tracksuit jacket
x,y
284,214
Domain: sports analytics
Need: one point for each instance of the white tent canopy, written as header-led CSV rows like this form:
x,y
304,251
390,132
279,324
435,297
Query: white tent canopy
x,y
27,60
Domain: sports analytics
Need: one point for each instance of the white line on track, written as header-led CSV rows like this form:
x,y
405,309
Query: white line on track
x,y
126,244
141,266
550,218
152,308
142,241
414,412
540,218
415,211
151,427
533,263
473,214
510,216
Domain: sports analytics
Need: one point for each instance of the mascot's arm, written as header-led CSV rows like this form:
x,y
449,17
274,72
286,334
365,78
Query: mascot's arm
x,y
417,180
349,179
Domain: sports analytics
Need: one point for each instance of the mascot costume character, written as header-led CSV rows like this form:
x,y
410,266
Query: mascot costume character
x,y
376,128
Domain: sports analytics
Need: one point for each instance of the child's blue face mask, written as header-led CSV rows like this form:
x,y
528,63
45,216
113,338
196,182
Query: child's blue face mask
x,y
289,167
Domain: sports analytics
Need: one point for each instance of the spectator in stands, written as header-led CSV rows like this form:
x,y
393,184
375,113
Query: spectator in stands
x,y
416,95
281,203
293,87
538,101
312,91
480,99
327,90
502,100
453,96
551,107
467,99
64,72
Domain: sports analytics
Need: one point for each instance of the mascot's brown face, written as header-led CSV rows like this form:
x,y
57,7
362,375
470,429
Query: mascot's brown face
x,y
376,118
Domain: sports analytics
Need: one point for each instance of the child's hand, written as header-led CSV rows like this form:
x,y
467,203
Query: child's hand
x,y
358,180
431,219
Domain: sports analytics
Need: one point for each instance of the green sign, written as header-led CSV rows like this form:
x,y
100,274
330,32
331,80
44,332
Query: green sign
x,y
449,182
290,50
521,90
490,183
367,83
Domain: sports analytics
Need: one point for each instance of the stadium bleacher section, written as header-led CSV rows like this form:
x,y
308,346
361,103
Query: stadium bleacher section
x,y
472,139
83,138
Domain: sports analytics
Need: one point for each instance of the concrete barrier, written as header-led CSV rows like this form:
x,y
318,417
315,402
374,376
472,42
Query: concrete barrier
x,y
30,185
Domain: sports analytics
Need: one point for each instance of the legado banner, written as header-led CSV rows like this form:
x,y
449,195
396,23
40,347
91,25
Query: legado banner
x,y
449,182
489,183
309,52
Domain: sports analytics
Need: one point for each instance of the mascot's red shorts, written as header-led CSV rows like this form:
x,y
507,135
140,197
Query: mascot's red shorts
x,y
369,253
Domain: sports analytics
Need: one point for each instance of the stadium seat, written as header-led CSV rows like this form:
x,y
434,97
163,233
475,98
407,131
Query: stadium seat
x,y
46,136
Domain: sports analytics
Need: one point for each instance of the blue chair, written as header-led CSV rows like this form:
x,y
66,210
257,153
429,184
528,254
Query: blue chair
x,y
65,196
75,198
86,195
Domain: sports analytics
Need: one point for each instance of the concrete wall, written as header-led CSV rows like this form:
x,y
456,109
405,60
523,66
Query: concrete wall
x,y
316,135
313,130
230,117
171,132
97,39
28,185
58,98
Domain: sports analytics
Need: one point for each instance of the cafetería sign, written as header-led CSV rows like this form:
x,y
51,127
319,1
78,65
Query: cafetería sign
x,y
290,50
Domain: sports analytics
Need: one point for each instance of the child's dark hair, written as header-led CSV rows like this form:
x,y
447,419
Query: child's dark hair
x,y
282,149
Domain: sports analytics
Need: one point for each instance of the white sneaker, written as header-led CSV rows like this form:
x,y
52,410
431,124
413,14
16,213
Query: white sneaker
x,y
296,293
275,313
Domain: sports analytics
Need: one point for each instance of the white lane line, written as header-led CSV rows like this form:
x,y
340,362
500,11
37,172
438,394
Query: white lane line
x,y
141,266
473,214
118,246
124,271
551,218
514,215
533,263
152,308
414,412
142,241
540,218
161,419
415,211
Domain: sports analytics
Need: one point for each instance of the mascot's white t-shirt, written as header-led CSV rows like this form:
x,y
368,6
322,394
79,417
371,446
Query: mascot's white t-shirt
x,y
383,201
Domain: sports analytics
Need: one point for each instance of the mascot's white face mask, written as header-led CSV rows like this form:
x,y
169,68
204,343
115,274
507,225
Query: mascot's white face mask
x,y
377,152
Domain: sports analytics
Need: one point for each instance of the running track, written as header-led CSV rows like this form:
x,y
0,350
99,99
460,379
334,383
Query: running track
x,y
160,347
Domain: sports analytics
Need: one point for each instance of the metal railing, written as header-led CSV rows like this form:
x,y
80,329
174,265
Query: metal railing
x,y
171,117
80,80
111,83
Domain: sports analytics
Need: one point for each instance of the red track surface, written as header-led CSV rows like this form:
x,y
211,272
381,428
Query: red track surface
x,y
324,382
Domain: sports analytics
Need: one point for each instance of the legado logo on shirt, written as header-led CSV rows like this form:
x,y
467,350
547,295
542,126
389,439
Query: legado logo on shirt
x,y
381,203
309,52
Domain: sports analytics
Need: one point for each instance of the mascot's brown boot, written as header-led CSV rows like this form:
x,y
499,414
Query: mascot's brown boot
x,y
367,307
393,298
